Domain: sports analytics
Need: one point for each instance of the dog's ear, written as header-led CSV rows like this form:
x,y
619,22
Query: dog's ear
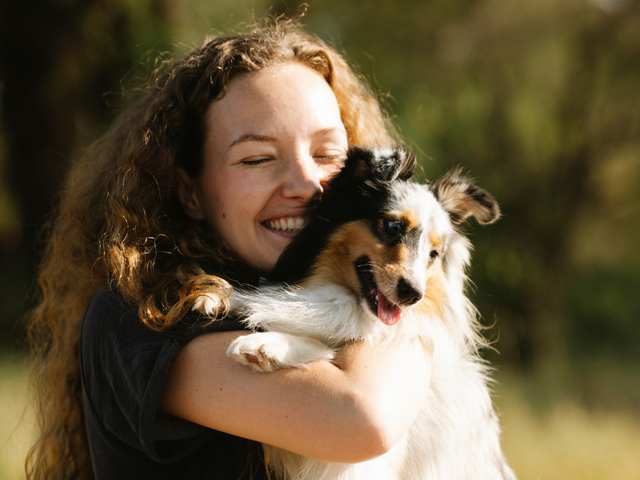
x,y
382,164
461,198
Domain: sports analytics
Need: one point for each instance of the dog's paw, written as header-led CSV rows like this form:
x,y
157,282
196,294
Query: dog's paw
x,y
260,351
209,303
269,351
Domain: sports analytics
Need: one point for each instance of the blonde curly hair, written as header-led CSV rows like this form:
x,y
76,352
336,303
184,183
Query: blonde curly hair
x,y
119,218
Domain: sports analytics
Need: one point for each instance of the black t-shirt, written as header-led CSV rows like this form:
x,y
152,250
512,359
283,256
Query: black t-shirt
x,y
124,367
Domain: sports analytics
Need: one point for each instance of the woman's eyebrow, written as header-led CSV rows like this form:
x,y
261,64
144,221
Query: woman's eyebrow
x,y
252,137
255,137
327,131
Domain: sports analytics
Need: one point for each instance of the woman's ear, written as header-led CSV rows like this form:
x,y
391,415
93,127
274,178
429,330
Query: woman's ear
x,y
188,195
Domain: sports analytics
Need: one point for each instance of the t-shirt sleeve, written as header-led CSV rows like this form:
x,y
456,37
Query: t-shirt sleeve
x,y
124,367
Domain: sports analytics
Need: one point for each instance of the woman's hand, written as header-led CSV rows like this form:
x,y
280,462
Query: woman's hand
x,y
348,411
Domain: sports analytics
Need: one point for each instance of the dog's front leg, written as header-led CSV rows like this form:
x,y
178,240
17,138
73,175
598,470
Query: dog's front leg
x,y
269,351
212,302
209,303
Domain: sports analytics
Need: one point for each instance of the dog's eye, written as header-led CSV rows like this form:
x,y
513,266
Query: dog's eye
x,y
394,227
433,255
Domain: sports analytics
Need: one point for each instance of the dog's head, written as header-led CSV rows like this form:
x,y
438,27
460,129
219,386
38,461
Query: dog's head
x,y
359,190
390,242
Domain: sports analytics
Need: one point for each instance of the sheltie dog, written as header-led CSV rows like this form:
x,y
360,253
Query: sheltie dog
x,y
382,259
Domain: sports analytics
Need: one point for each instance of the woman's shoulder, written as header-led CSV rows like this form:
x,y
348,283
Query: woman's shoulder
x,y
110,315
108,302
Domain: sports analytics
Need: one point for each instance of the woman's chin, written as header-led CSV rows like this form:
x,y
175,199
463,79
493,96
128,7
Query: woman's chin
x,y
267,252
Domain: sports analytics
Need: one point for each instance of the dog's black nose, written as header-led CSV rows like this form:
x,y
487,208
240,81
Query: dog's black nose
x,y
407,293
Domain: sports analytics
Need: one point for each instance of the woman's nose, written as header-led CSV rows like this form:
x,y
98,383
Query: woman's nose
x,y
303,179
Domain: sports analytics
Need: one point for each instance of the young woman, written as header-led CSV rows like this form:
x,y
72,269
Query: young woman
x,y
203,183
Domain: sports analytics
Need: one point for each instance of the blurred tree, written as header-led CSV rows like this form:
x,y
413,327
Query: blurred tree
x,y
57,60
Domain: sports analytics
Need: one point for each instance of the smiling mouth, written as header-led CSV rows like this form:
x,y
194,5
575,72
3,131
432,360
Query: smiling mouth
x,y
388,312
286,224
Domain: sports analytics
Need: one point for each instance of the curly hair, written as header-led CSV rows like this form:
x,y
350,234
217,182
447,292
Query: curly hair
x,y
119,219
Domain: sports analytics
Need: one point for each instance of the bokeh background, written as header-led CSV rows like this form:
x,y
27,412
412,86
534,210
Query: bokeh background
x,y
539,100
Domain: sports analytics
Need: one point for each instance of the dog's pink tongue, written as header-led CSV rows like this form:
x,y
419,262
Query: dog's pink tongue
x,y
388,312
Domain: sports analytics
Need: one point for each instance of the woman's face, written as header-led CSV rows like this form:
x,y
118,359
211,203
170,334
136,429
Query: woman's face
x,y
270,145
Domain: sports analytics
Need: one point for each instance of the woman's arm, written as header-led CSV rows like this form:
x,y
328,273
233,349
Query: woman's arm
x,y
347,412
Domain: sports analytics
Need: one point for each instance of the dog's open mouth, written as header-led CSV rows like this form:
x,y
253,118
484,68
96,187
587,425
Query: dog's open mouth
x,y
388,312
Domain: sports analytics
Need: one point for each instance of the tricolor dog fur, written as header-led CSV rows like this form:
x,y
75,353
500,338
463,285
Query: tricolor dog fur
x,y
383,259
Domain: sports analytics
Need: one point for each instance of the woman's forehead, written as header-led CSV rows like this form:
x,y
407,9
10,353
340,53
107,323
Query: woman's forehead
x,y
274,103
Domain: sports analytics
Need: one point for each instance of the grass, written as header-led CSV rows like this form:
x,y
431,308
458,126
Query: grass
x,y
565,441
16,418
561,441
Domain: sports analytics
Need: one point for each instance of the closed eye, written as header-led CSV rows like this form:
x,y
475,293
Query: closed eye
x,y
255,160
330,158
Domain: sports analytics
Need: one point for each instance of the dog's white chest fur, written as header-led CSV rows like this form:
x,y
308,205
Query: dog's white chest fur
x,y
456,435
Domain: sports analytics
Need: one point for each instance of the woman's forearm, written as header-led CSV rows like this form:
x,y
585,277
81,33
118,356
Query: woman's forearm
x,y
347,411
391,383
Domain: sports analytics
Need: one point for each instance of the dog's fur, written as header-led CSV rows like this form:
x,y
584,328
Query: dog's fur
x,y
382,259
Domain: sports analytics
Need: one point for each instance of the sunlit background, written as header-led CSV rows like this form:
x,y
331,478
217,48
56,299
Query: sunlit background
x,y
538,100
